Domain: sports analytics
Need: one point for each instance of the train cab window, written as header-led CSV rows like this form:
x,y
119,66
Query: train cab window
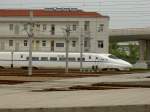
x,y
62,59
53,58
83,59
72,59
113,57
44,58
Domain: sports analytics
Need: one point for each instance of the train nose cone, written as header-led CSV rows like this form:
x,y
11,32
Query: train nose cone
x,y
129,65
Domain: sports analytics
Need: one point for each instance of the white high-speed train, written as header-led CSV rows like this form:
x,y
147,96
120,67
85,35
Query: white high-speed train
x,y
57,60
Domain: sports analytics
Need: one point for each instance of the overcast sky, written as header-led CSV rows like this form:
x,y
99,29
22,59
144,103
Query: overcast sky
x,y
123,13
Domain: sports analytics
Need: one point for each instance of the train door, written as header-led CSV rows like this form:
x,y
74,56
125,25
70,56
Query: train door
x,y
52,45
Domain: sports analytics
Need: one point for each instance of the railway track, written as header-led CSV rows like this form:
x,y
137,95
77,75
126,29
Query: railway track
x,y
56,72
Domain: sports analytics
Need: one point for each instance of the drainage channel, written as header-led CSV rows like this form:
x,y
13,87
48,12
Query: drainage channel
x,y
96,86
14,82
81,87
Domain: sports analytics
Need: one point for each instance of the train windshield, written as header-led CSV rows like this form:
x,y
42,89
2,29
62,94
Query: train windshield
x,y
113,57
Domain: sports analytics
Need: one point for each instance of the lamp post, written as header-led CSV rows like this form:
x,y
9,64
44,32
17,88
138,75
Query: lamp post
x,y
67,46
30,35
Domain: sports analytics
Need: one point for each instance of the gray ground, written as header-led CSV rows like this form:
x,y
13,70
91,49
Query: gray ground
x,y
20,96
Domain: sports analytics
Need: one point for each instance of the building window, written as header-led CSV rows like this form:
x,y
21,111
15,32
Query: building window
x,y
52,29
37,41
59,44
101,28
16,29
25,43
73,43
11,27
86,25
44,43
38,27
10,42
100,44
44,27
74,27
85,43
25,27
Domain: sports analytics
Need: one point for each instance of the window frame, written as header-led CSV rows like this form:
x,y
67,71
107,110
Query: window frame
x,y
101,28
53,29
100,44
25,42
43,43
60,45
44,27
11,43
74,43
11,27
74,27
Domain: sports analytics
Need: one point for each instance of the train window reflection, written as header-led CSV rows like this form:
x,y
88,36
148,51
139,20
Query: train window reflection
x,y
33,58
62,59
113,57
53,58
44,58
72,59
83,59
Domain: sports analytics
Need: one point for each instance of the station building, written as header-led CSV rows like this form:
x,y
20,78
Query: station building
x,y
49,30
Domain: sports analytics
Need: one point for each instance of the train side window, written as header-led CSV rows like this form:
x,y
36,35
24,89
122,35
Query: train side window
x,y
62,59
83,59
21,56
44,58
96,58
35,58
90,57
72,59
53,58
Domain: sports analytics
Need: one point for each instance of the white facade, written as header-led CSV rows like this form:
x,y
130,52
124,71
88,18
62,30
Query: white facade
x,y
95,31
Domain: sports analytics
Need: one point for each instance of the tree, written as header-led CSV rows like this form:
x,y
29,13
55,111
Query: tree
x,y
132,57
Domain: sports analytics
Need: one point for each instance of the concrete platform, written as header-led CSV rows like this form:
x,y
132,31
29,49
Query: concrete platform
x,y
19,98
131,100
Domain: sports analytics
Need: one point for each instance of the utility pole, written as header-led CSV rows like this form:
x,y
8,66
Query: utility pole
x,y
81,50
30,35
67,46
